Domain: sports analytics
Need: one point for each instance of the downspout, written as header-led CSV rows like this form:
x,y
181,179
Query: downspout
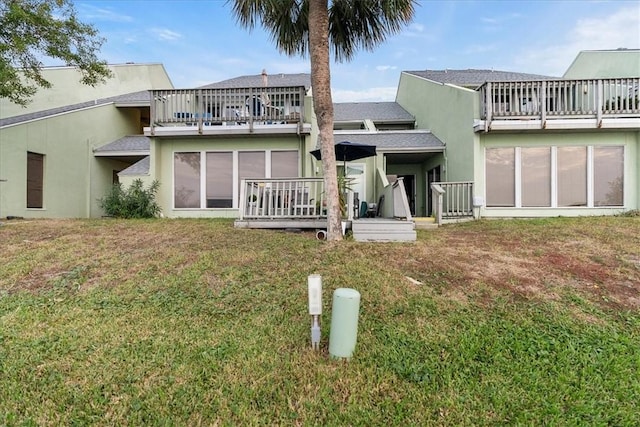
x,y
89,155
446,164
301,151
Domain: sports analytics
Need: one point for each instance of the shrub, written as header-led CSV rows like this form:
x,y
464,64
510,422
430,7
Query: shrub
x,y
134,202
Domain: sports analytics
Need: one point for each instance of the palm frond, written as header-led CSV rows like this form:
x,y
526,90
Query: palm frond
x,y
353,24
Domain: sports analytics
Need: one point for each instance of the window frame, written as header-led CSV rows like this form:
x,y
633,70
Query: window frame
x,y
590,177
235,174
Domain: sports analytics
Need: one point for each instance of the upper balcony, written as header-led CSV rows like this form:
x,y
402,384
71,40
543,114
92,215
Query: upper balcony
x,y
560,104
260,110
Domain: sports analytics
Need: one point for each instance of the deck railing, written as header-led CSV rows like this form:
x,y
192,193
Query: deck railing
x,y
452,200
227,107
282,198
555,99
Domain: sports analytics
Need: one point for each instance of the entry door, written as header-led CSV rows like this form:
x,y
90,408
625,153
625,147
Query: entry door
x,y
433,175
410,189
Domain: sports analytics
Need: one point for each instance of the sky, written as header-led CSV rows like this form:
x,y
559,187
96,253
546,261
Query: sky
x,y
199,42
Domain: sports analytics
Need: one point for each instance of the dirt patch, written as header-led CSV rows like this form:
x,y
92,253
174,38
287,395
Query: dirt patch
x,y
598,259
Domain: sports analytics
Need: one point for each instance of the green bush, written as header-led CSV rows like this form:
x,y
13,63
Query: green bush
x,y
134,202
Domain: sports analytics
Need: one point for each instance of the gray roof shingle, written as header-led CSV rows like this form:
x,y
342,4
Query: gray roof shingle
x,y
420,140
376,111
138,168
130,143
475,78
134,97
273,80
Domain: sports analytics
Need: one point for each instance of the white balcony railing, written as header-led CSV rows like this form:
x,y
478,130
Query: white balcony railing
x,y
560,99
227,107
287,198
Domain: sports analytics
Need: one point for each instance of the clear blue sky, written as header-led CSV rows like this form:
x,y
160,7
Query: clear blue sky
x,y
199,42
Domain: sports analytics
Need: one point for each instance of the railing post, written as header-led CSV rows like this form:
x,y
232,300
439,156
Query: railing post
x,y
199,110
489,107
599,103
436,196
152,111
543,105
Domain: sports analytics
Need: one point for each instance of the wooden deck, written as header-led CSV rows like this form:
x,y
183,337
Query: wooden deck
x,y
282,223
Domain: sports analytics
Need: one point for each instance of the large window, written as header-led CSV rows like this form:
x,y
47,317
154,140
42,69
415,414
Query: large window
x,y
572,176
251,164
500,176
536,176
608,176
186,180
35,179
284,164
222,173
584,176
220,180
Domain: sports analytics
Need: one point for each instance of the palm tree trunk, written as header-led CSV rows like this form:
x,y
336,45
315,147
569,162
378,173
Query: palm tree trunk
x,y
323,107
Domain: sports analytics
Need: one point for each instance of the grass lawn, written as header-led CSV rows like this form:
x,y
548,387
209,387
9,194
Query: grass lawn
x,y
192,322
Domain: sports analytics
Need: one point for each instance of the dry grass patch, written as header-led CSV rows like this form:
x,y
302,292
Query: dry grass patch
x,y
185,322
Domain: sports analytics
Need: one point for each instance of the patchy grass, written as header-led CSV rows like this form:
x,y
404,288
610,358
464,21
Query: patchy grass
x,y
192,322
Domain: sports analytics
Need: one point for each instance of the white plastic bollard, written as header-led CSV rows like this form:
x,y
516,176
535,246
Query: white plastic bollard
x,y
314,284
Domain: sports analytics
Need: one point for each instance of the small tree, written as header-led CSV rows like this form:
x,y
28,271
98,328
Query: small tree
x,y
134,202
31,29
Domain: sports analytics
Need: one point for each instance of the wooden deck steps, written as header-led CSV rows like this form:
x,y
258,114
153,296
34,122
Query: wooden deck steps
x,y
383,230
424,223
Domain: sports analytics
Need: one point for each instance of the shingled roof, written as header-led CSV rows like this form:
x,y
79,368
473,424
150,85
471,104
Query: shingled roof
x,y
411,139
376,111
127,144
472,78
138,168
141,97
273,80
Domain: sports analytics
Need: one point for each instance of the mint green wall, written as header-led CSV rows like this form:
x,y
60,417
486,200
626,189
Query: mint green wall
x,y
605,64
630,140
73,177
448,112
161,167
68,90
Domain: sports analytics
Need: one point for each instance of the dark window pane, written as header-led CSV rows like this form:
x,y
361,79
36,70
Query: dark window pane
x,y
35,179
220,180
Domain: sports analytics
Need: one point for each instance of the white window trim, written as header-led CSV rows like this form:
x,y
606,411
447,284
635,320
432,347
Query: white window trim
x,y
590,177
203,180
554,176
517,158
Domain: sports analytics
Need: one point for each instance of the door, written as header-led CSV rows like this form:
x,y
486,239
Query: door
x,y
410,189
433,175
